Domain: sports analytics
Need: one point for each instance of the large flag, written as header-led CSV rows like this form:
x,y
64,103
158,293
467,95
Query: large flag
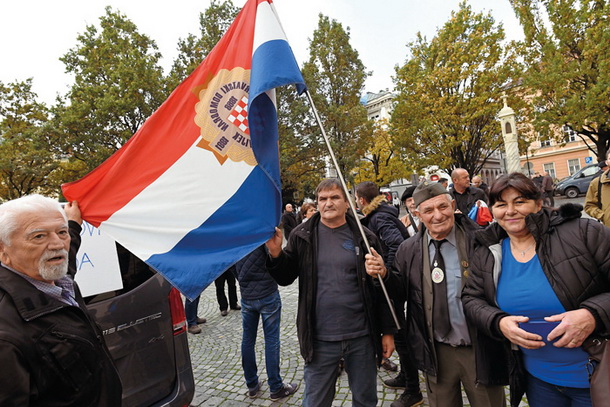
x,y
198,186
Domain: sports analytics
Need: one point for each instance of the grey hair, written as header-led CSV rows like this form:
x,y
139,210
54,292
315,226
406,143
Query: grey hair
x,y
449,197
10,211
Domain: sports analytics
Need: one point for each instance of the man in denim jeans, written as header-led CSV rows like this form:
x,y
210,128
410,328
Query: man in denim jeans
x,y
341,312
261,298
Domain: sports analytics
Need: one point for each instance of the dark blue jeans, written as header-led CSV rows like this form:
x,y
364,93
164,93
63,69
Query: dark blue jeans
x,y
270,309
360,365
190,309
543,394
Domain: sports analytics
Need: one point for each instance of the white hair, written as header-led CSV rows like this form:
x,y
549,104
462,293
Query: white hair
x,y
10,211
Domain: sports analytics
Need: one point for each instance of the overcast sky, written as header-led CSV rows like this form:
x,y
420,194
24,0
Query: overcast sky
x,y
36,33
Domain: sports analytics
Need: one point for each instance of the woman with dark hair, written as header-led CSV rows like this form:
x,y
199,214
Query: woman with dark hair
x,y
539,285
307,211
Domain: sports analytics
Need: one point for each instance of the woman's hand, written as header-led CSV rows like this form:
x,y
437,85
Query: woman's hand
x,y
574,328
374,264
511,330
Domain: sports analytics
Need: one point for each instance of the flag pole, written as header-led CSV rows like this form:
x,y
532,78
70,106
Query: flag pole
x,y
351,203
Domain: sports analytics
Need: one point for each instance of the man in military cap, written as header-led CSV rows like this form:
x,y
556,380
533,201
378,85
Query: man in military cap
x,y
429,272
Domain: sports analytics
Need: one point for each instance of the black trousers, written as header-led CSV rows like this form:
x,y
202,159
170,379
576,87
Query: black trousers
x,y
229,277
407,367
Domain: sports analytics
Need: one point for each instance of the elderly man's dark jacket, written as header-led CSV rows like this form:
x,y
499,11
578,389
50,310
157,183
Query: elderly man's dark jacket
x,y
575,257
298,260
406,283
52,354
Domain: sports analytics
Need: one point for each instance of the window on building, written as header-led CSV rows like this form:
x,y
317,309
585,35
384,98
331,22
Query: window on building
x,y
570,135
545,143
508,128
550,168
573,165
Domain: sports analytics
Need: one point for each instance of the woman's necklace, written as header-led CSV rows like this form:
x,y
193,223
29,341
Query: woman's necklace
x,y
522,251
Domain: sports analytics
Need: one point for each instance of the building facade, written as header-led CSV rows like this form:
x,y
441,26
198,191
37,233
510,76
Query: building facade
x,y
558,159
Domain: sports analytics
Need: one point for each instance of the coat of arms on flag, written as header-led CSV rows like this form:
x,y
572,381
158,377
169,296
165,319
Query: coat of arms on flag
x,y
222,115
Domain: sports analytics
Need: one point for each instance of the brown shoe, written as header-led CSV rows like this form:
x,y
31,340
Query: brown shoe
x,y
224,312
201,320
194,329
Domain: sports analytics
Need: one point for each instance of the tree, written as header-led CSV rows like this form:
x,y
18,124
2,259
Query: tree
x,y
301,151
213,23
335,77
118,85
567,49
26,159
382,163
448,93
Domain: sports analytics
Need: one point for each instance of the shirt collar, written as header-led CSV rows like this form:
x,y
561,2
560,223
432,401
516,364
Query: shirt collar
x,y
54,290
450,237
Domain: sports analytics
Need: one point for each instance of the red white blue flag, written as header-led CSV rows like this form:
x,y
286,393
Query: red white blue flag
x,y
198,186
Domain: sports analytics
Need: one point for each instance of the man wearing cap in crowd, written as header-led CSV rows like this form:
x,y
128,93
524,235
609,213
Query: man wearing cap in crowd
x,y
597,201
409,220
429,272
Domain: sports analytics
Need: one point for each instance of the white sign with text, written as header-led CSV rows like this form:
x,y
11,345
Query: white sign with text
x,y
97,263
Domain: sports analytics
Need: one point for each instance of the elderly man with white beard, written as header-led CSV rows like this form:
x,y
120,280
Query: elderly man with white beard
x,y
52,352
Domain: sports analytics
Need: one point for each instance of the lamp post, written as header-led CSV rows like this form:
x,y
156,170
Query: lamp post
x,y
509,133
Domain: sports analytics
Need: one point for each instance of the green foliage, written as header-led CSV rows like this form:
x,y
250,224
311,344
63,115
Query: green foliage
x,y
26,158
213,23
335,77
118,85
448,93
567,49
301,150
382,163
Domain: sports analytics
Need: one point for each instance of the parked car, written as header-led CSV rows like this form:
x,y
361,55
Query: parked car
x,y
577,183
144,326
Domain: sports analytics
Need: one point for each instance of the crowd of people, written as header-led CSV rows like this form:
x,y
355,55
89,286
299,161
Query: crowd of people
x,y
471,306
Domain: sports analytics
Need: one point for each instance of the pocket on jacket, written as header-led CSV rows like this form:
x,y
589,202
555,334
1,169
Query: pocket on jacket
x,y
72,357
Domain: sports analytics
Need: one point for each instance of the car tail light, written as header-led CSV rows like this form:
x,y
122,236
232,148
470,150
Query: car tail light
x,y
177,310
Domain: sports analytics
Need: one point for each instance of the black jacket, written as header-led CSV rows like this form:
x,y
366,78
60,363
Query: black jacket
x,y
52,354
575,257
298,260
254,280
406,283
382,219
289,222
464,202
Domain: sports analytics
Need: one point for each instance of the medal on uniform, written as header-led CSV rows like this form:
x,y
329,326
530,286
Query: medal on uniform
x,y
437,274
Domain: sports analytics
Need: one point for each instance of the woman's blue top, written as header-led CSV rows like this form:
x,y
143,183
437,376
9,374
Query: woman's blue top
x,y
524,290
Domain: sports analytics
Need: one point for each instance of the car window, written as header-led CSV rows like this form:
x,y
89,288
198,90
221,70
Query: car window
x,y
589,171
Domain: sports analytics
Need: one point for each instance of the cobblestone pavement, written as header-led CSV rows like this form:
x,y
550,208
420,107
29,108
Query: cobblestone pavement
x,y
216,359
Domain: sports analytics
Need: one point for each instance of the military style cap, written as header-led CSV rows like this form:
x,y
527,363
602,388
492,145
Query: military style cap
x,y
408,193
427,190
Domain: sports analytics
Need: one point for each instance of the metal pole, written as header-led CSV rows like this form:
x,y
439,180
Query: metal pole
x,y
351,203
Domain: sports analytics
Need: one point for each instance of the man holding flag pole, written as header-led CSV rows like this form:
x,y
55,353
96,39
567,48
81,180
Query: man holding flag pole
x,y
341,314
